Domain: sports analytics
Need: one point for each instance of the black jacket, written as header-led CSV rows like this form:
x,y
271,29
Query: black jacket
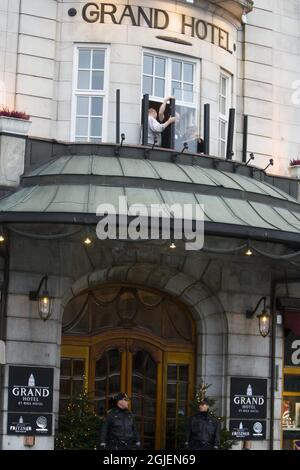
x,y
202,430
119,429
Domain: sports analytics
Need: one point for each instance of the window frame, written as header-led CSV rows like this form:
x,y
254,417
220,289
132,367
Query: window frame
x,y
223,118
168,78
90,93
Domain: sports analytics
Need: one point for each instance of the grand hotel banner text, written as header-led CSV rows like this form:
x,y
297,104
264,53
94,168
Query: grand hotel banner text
x,y
99,12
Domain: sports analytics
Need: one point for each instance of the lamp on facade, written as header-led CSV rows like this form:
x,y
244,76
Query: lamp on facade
x,y
264,318
44,300
87,238
248,251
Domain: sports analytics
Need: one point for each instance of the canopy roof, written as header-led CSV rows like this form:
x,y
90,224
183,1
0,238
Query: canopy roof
x,y
70,188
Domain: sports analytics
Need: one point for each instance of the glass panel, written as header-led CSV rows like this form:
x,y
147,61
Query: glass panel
x,y
101,367
96,124
222,105
183,391
98,59
148,64
171,410
291,413
82,126
83,80
160,67
149,408
147,85
159,87
101,407
176,90
222,148
97,106
176,70
182,409
138,361
114,361
292,383
137,405
151,369
150,387
172,391
65,367
84,61
114,384
97,80
78,367
172,372
149,427
224,86
188,73
77,387
65,387
63,405
185,131
100,388
83,105
144,367
183,373
188,94
171,426
137,385
222,130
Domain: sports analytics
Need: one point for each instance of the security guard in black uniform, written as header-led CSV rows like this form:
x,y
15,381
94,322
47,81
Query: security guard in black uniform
x,y
202,431
119,431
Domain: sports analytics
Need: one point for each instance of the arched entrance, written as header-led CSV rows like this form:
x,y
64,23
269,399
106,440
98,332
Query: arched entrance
x,y
129,338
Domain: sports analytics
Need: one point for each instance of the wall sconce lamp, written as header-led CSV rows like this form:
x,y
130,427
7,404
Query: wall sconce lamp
x,y
264,317
44,300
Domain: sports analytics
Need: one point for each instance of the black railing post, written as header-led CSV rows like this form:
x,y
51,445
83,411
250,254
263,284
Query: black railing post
x,y
206,134
117,116
145,109
172,126
245,138
230,134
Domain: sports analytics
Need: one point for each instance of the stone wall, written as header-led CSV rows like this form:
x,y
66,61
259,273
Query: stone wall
x,y
268,80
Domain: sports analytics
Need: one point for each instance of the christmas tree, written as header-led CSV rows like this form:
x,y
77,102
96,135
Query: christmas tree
x,y
79,426
226,439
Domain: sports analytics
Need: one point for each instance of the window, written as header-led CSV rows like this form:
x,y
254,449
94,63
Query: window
x,y
224,105
171,76
290,417
90,90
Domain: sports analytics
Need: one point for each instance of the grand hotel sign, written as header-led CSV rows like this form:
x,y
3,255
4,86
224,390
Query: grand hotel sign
x,y
190,26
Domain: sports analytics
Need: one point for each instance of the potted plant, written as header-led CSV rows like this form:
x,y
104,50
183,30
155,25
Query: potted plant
x,y
295,168
14,122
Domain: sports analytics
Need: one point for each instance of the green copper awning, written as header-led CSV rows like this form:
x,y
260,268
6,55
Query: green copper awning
x,y
71,187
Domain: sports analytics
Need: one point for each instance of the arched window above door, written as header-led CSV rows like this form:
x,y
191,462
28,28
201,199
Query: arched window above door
x,y
112,307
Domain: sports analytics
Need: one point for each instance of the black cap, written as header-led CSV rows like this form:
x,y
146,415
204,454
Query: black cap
x,y
203,401
121,396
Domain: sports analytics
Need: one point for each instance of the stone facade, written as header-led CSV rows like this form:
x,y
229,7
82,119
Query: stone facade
x,y
37,76
37,54
217,290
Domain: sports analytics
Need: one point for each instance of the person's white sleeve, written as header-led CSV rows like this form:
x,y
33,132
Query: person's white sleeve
x,y
155,126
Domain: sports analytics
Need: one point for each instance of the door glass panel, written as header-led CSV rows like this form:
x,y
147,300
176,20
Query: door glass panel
x,y
107,379
144,396
177,404
71,380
